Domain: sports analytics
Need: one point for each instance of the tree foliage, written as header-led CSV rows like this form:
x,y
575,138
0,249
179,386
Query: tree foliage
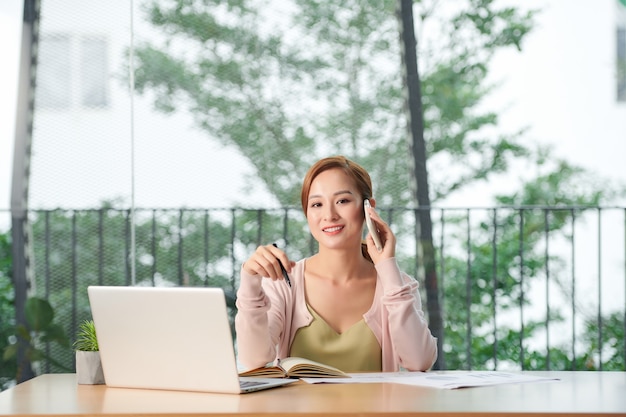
x,y
40,331
499,266
324,78
8,368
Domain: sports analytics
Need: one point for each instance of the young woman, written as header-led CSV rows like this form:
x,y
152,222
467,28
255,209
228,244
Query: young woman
x,y
348,305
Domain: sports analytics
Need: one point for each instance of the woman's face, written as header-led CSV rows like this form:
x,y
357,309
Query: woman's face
x,y
335,210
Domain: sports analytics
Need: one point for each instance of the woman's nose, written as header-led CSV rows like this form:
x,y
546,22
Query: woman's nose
x,y
330,213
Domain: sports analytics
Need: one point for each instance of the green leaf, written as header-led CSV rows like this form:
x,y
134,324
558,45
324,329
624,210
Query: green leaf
x,y
39,313
23,332
55,333
35,355
87,339
10,352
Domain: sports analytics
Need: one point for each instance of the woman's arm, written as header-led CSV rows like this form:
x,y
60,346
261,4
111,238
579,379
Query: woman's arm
x,y
256,337
260,320
411,338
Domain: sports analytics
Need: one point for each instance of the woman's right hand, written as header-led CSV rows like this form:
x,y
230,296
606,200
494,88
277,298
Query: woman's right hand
x,y
265,262
387,238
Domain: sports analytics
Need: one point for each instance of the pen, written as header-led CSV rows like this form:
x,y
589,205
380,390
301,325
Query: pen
x,y
282,268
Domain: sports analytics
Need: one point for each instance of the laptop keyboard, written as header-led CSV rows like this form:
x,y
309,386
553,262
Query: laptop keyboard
x,y
248,384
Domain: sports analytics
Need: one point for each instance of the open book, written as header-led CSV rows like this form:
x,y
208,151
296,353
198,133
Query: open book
x,y
294,367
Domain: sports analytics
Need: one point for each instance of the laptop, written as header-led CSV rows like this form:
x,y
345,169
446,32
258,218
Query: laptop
x,y
170,338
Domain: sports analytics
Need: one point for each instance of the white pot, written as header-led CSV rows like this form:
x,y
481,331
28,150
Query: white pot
x,y
89,368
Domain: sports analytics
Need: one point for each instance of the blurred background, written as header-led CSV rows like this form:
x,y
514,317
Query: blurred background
x,y
165,139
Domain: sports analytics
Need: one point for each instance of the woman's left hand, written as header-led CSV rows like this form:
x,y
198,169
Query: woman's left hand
x,y
387,239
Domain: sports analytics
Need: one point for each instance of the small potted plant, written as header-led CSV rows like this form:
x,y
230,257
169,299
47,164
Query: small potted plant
x,y
88,365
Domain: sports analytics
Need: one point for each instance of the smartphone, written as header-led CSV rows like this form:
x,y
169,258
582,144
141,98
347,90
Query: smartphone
x,y
371,226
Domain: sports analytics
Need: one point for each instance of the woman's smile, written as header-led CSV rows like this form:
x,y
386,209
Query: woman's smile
x,y
332,230
335,213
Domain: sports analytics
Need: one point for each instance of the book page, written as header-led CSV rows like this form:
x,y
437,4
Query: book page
x,y
266,371
305,367
434,379
296,367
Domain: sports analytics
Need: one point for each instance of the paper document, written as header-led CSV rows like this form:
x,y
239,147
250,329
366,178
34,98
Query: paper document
x,y
434,379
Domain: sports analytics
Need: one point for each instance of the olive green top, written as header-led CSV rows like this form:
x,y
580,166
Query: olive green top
x,y
355,350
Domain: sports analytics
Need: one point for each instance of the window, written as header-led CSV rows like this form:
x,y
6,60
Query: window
x,y
72,71
93,74
54,73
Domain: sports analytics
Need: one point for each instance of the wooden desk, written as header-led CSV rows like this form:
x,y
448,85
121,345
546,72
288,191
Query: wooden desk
x,y
580,393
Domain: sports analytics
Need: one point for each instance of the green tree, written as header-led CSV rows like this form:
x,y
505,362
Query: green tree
x,y
612,344
39,332
76,249
8,368
331,83
496,277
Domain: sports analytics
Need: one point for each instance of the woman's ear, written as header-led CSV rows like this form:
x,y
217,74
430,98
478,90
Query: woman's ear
x,y
372,202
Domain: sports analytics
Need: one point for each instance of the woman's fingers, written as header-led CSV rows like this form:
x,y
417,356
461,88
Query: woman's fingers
x,y
387,238
265,261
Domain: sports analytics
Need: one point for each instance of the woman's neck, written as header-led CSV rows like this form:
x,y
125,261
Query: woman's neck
x,y
340,265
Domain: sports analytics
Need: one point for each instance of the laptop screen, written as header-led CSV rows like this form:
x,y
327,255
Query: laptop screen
x,y
165,338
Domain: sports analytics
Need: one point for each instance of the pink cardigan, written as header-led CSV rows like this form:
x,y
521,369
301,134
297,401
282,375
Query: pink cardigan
x,y
270,312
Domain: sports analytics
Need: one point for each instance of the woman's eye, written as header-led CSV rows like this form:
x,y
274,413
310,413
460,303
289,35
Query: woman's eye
x,y
343,201
316,205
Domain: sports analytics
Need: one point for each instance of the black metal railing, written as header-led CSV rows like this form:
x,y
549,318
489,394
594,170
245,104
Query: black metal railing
x,y
520,287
